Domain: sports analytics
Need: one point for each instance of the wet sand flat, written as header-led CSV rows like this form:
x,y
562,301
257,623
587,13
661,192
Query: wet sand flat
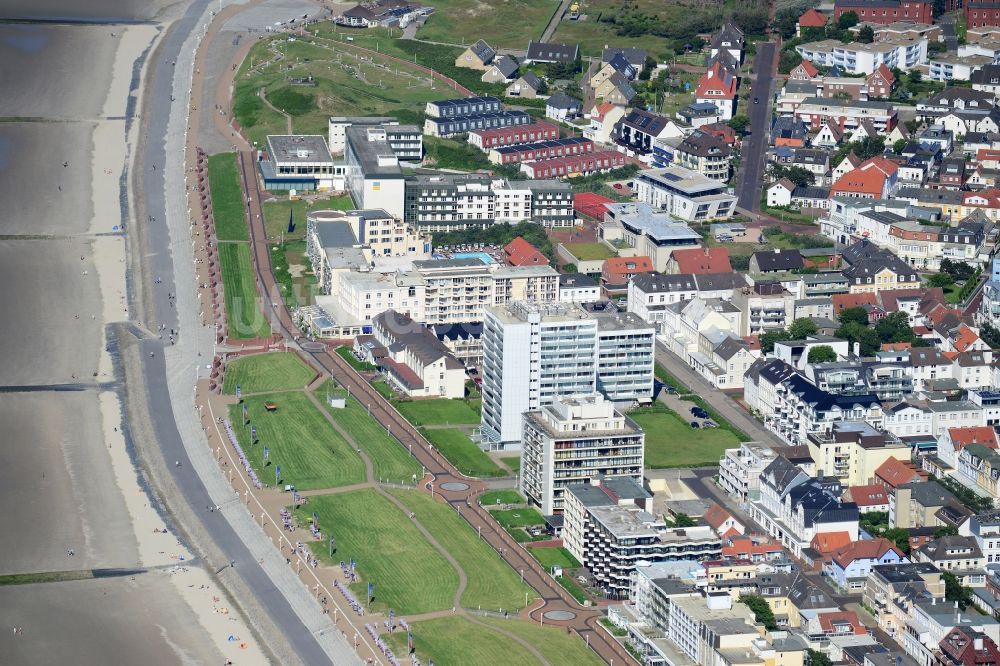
x,y
91,10
53,79
101,621
32,173
41,340
56,464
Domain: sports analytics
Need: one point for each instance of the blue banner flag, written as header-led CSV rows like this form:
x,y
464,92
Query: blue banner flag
x,y
238,392
267,454
409,641
244,410
371,591
352,565
277,474
253,434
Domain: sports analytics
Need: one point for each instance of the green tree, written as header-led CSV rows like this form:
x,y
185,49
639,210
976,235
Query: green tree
x,y
867,339
802,327
899,145
946,530
895,327
859,315
943,280
768,339
869,147
847,20
683,520
817,658
788,60
900,537
866,35
761,610
914,76
822,354
955,591
739,122
800,176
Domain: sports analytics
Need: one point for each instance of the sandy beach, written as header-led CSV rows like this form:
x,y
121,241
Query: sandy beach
x,y
74,497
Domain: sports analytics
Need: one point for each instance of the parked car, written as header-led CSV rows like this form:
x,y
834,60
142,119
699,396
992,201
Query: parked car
x,y
709,424
699,412
694,424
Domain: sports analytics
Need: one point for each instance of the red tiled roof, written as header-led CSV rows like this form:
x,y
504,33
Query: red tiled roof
x,y
628,265
832,623
827,542
844,301
962,437
884,72
812,19
895,346
869,549
520,252
702,261
895,473
809,68
743,547
716,83
856,181
716,516
966,338
868,495
883,164
591,204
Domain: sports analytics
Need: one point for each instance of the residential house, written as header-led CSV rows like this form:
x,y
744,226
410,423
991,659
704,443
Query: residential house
x,y
918,504
979,468
699,261
869,498
960,555
829,136
789,131
953,440
618,64
729,38
527,86
804,71
718,86
637,130
478,56
616,89
603,118
851,565
563,107
775,261
880,82
705,154
417,363
551,52
617,272
520,252
501,70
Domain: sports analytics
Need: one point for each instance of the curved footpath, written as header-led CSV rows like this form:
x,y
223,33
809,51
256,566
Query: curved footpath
x,y
163,264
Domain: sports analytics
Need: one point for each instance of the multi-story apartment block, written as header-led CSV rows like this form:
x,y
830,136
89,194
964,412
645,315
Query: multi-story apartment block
x,y
852,452
510,136
739,470
571,441
649,294
793,507
685,194
611,536
406,141
904,53
533,353
890,589
447,126
846,114
652,233
985,528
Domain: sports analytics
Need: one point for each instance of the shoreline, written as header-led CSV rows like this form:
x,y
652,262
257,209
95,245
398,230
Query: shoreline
x,y
158,548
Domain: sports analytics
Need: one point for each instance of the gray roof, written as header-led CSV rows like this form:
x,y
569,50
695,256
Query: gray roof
x,y
552,52
335,234
624,488
634,55
297,148
483,51
506,66
730,347
576,280
563,101
929,493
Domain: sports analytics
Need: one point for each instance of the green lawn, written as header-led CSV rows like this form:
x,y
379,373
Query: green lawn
x,y
409,574
456,640
243,313
494,497
267,372
509,23
344,85
554,643
437,411
514,462
383,389
276,214
227,197
346,354
518,517
589,251
672,442
462,452
492,584
573,588
554,557
390,460
311,453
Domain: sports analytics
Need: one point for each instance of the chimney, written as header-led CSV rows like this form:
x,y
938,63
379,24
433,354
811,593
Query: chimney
x,y
857,349
978,644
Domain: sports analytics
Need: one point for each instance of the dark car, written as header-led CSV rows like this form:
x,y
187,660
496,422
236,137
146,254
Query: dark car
x,y
699,412
694,424
755,100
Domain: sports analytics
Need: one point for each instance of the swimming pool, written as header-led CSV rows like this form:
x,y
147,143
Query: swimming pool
x,y
481,256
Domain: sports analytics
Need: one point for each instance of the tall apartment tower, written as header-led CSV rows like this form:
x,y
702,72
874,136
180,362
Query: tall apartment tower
x,y
572,441
536,352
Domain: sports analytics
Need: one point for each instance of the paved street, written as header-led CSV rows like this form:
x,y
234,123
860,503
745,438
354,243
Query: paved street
x,y
752,164
947,23
721,402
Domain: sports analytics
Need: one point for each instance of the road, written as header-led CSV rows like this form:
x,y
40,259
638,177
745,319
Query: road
x,y
748,188
550,29
947,23
159,192
721,402
445,481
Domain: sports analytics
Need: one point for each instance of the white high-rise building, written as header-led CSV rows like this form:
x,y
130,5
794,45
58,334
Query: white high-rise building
x,y
573,440
533,353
